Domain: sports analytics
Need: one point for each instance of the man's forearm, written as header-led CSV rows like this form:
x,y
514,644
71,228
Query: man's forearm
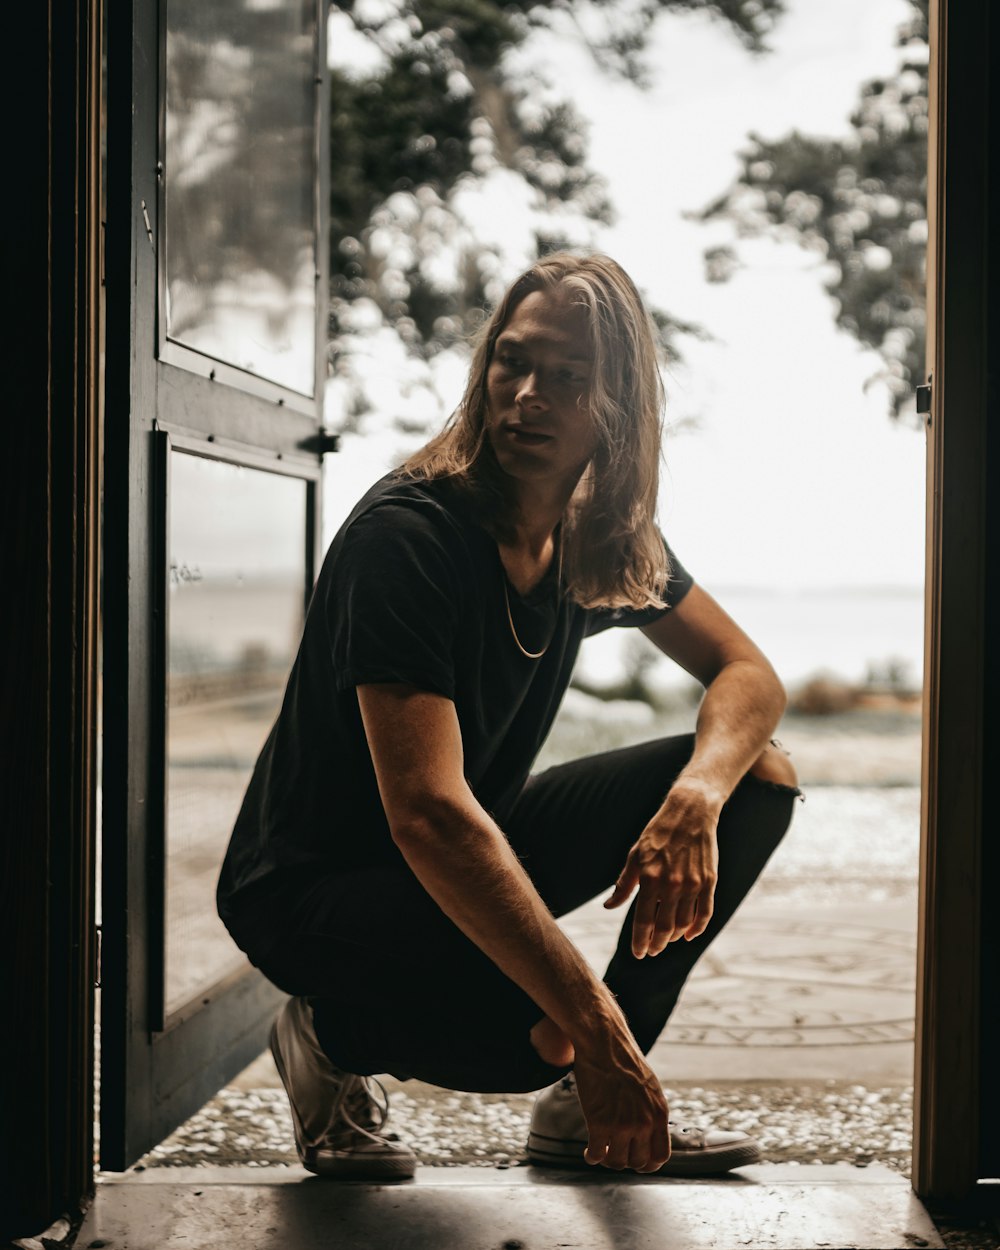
x,y
738,715
467,866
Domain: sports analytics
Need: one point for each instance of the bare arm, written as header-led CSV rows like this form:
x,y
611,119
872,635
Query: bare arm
x,y
743,699
467,866
675,860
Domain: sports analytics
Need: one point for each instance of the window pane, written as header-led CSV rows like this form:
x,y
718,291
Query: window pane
x,y
236,586
240,174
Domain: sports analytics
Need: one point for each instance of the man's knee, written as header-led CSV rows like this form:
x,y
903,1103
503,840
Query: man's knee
x,y
774,765
551,1043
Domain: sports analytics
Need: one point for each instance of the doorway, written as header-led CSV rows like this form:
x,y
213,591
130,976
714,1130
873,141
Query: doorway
x,y
960,716
871,695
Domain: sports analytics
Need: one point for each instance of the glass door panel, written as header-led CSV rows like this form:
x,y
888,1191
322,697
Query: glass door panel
x,y
239,185
236,571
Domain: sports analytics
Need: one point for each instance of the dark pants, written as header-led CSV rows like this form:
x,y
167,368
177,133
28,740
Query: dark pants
x,y
396,987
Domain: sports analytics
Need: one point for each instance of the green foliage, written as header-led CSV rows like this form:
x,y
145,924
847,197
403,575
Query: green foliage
x,y
393,134
861,202
440,111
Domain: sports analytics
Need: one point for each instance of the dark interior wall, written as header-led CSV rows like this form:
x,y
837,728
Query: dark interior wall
x,y
47,662
24,662
990,1017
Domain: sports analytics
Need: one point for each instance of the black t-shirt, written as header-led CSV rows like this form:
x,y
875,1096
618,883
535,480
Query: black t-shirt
x,y
411,590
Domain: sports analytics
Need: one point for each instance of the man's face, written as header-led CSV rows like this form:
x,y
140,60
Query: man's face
x,y
538,391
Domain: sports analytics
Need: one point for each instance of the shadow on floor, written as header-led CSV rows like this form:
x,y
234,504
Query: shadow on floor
x,y
784,1207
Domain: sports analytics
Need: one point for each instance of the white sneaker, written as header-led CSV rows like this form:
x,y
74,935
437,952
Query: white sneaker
x,y
558,1138
338,1122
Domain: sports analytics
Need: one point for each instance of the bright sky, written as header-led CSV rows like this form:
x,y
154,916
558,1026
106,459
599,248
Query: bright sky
x,y
794,477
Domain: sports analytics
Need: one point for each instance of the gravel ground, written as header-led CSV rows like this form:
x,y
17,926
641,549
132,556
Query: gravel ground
x,y
825,1122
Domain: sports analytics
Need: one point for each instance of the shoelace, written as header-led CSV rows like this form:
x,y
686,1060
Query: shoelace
x,y
356,1099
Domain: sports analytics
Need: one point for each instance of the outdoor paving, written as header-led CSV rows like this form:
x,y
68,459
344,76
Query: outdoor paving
x,y
791,994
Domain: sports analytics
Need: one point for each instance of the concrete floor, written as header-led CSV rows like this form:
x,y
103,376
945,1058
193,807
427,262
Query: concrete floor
x,y
783,1207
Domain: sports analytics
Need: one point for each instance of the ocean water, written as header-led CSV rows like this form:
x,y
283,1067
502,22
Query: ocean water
x,y
842,631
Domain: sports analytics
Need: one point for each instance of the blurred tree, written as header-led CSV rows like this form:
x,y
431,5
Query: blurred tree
x,y
238,199
861,202
431,112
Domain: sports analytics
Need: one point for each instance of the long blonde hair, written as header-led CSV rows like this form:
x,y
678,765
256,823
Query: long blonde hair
x,y
612,552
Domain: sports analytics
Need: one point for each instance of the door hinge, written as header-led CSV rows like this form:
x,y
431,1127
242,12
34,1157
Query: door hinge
x,y
924,396
321,443
98,942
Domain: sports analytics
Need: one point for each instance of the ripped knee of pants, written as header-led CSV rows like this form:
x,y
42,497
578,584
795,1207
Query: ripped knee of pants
x,y
775,767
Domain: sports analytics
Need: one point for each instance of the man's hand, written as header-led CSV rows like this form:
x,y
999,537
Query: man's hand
x,y
675,864
626,1115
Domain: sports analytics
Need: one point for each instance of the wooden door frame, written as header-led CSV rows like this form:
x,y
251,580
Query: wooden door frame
x,y
954,947
51,466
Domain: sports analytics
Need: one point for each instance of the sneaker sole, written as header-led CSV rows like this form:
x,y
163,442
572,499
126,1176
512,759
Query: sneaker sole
x,y
353,1169
558,1153
332,1167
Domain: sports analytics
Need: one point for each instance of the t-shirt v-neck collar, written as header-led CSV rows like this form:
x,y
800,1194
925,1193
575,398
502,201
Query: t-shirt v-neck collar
x,y
542,590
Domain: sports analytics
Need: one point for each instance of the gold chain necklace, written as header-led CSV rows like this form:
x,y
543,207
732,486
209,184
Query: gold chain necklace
x,y
532,655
